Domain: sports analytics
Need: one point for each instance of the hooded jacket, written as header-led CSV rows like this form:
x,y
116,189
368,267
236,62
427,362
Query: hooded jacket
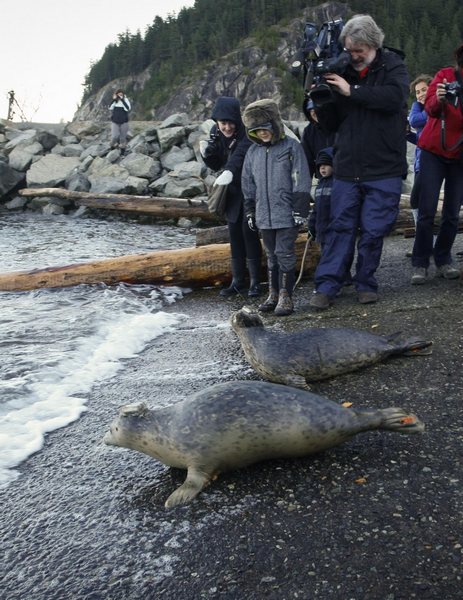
x,y
228,153
430,138
370,124
120,110
275,179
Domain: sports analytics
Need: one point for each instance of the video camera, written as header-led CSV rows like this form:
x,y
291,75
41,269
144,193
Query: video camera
x,y
320,53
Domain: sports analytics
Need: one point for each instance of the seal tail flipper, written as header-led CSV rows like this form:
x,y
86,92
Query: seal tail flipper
x,y
390,419
195,481
412,347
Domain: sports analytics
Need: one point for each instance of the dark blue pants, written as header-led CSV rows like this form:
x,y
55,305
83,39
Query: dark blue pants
x,y
370,209
434,170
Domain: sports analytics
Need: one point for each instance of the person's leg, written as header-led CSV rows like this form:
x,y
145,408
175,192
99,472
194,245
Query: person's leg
x,y
453,197
114,134
238,261
432,175
286,255
124,130
253,250
380,208
340,238
269,241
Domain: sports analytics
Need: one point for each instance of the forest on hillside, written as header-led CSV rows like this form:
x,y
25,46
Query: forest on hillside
x,y
426,30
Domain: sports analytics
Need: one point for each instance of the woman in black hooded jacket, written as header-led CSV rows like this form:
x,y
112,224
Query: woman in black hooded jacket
x,y
226,149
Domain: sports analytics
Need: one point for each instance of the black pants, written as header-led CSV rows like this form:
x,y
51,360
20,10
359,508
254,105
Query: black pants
x,y
244,243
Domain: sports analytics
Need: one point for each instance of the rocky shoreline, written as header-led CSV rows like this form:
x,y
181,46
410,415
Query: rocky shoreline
x,y
162,159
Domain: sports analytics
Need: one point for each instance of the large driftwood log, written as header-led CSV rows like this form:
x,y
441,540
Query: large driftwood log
x,y
191,267
167,208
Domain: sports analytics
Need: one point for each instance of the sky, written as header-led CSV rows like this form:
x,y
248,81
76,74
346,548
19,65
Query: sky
x,y
47,47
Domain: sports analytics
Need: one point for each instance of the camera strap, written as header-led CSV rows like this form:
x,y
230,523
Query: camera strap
x,y
442,128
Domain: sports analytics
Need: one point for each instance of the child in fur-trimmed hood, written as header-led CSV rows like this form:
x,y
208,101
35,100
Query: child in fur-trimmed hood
x,y
276,184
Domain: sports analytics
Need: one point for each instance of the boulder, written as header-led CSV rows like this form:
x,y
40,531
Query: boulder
x,y
140,165
51,170
9,178
175,156
170,136
83,129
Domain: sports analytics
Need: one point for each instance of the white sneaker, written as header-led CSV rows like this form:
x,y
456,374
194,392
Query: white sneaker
x,y
419,276
448,272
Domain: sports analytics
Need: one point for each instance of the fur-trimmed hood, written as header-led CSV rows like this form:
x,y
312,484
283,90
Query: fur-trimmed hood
x,y
263,112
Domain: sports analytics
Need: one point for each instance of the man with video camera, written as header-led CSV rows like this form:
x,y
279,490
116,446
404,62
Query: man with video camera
x,y
368,113
441,143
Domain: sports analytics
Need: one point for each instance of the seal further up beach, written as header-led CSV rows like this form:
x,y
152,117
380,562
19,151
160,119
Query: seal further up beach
x,y
314,353
234,424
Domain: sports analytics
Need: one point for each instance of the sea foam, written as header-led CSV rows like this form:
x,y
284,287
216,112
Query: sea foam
x,y
57,396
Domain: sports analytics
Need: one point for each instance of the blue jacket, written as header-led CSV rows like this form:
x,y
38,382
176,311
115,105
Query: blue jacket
x,y
417,119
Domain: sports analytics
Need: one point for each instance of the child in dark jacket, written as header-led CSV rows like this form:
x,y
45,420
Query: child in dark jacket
x,y
319,218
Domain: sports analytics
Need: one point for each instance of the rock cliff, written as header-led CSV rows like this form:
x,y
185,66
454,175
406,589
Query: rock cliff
x,y
248,73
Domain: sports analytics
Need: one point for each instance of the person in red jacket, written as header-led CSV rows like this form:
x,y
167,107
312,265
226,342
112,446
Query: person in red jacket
x,y
441,143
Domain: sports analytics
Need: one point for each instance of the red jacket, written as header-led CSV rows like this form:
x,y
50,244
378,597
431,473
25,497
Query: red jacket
x,y
430,138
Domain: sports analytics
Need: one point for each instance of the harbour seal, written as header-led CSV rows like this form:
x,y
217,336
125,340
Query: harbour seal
x,y
314,353
234,424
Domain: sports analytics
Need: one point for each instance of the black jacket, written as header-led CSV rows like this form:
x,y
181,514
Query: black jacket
x,y
313,140
370,125
228,153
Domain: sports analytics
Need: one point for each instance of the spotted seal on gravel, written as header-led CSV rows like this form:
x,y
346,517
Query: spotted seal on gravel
x,y
314,353
234,424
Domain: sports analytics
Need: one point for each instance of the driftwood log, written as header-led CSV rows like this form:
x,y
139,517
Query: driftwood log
x,y
166,208
189,267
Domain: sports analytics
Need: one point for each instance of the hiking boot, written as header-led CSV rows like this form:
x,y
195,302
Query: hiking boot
x,y
320,301
367,297
285,304
270,303
419,276
448,272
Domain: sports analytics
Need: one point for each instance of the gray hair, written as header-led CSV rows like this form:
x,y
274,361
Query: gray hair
x,y
362,29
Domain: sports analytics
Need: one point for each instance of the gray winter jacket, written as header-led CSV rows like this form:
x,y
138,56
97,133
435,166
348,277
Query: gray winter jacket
x,y
275,178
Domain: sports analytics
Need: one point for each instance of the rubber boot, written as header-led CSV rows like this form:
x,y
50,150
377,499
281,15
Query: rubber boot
x,y
285,304
254,277
270,303
237,285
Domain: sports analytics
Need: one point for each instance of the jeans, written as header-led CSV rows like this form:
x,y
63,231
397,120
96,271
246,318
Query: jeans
x,y
434,169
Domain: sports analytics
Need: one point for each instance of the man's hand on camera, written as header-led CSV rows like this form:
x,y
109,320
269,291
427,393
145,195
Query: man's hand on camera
x,y
441,91
251,221
298,218
339,83
224,179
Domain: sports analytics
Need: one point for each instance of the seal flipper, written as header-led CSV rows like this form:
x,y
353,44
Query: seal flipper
x,y
195,481
298,381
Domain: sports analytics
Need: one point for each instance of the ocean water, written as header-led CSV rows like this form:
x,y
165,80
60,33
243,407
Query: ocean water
x,y
55,345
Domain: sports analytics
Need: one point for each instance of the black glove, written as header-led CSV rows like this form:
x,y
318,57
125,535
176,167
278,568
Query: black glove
x,y
251,221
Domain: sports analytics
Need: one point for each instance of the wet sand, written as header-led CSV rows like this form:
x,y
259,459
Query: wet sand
x,y
380,517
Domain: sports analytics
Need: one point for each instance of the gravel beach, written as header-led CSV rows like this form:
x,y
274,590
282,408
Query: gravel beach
x,y
380,517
